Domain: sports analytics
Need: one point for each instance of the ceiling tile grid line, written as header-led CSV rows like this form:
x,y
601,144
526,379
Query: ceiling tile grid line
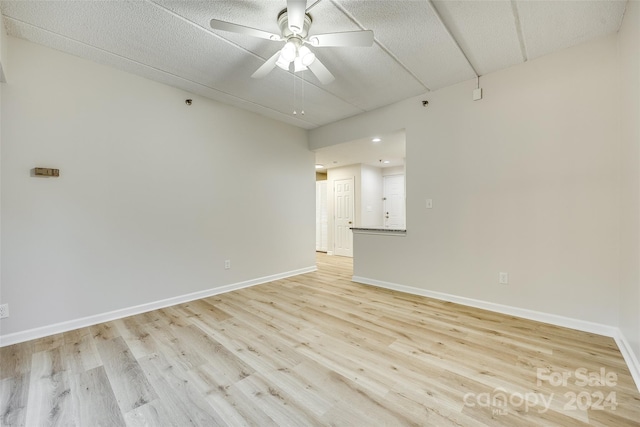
x,y
235,45
455,41
380,44
313,5
230,95
516,17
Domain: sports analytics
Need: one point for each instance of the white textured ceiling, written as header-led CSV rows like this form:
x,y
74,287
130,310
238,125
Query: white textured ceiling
x,y
419,45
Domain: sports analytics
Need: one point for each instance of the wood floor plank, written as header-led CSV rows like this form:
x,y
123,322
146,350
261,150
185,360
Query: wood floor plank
x,y
95,403
14,394
222,394
15,360
151,414
136,335
316,349
130,385
49,392
80,354
184,404
276,404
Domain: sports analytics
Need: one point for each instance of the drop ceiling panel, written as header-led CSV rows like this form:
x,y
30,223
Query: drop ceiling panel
x,y
486,32
277,97
412,31
554,25
261,15
362,73
357,69
138,31
170,41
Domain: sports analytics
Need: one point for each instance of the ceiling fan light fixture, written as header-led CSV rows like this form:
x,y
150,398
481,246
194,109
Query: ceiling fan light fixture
x,y
298,65
294,23
306,56
289,51
283,62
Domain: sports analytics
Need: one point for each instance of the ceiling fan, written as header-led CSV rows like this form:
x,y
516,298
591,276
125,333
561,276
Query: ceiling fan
x,y
294,23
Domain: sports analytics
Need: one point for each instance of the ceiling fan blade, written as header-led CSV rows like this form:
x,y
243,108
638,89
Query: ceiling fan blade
x,y
296,9
349,38
241,29
321,72
266,68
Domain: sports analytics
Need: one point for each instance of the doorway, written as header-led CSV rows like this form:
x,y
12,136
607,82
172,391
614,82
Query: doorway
x,y
393,201
344,214
322,220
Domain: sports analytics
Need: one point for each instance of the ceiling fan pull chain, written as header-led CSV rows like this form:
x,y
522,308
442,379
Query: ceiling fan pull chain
x,y
294,93
302,75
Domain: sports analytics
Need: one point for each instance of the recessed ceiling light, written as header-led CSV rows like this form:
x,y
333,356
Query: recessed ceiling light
x,y
376,140
319,166
386,162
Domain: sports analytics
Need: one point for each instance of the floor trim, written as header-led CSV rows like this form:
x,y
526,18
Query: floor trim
x,y
70,325
629,356
582,325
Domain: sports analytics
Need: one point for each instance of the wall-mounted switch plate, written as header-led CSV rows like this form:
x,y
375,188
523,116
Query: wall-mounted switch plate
x,y
4,311
503,278
429,203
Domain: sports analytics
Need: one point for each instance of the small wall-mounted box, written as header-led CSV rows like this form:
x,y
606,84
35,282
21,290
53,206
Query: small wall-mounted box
x,y
46,172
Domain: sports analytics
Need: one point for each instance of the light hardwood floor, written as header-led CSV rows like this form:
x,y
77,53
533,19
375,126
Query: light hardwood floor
x,y
317,349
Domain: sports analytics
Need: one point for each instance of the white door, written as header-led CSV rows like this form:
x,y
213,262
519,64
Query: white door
x,y
394,204
321,216
343,212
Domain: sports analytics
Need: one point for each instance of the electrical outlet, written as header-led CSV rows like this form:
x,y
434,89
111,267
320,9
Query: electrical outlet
x,y
503,278
227,264
4,311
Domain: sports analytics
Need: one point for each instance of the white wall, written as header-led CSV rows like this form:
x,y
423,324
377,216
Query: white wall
x,y
153,195
396,170
371,215
3,51
525,181
629,53
3,72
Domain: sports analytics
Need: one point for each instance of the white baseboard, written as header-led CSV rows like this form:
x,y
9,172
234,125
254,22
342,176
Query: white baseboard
x,y
632,359
553,319
70,325
629,356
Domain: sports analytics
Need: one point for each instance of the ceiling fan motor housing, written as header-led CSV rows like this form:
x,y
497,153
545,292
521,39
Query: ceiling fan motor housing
x,y
283,23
